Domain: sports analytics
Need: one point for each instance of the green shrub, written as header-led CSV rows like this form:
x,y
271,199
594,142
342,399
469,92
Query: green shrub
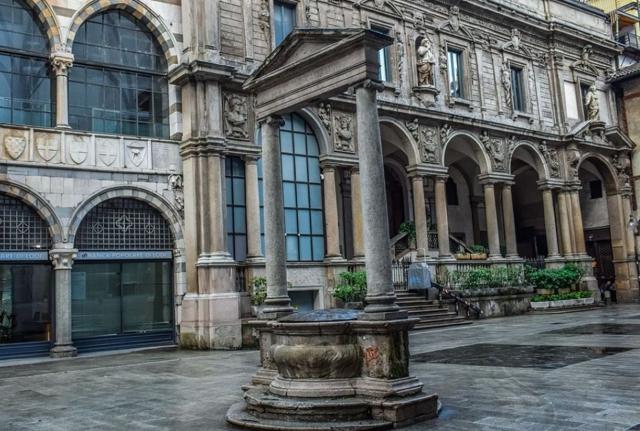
x,y
258,290
408,228
562,296
478,248
352,287
492,277
555,279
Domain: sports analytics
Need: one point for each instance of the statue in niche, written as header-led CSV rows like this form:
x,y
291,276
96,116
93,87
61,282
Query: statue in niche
x,y
426,61
505,78
592,103
236,117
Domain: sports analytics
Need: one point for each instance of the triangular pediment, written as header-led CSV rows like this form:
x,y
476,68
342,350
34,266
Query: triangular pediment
x,y
619,139
385,7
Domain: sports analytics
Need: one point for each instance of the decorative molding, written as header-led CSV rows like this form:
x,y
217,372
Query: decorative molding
x,y
324,112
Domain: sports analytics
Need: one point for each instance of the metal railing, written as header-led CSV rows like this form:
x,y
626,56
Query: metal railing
x,y
537,262
446,293
400,274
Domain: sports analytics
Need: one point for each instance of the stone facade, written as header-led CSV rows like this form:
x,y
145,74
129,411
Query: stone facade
x,y
429,133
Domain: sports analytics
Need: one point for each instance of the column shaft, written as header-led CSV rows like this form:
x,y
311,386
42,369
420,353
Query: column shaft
x,y
332,231
63,260
509,222
356,215
492,221
61,63
420,216
380,294
565,228
550,223
578,227
277,302
217,208
628,233
253,209
442,218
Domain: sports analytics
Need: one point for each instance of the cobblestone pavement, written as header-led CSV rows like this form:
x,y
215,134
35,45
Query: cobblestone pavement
x,y
485,377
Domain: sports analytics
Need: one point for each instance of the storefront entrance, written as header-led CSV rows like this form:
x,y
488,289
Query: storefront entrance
x,y
122,279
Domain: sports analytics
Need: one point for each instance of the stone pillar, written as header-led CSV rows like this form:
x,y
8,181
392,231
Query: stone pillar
x,y
420,217
381,298
509,222
217,250
61,63
442,218
332,231
252,199
492,221
356,215
550,223
565,228
581,248
626,215
277,303
62,259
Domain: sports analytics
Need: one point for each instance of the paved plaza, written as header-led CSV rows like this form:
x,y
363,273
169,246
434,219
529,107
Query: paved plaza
x,y
578,371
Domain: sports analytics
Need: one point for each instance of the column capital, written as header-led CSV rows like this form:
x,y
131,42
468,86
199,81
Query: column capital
x,y
251,159
61,62
369,84
328,167
272,121
495,178
62,258
440,178
548,185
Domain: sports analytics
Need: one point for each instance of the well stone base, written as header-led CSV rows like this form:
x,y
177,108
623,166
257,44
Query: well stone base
x,y
333,370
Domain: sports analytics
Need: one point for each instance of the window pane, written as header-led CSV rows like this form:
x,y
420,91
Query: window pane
x,y
95,299
304,222
146,296
286,144
317,224
318,248
306,253
301,168
290,222
289,195
292,248
287,168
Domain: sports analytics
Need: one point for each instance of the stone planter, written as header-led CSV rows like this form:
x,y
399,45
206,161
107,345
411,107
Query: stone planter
x,y
499,301
540,305
463,256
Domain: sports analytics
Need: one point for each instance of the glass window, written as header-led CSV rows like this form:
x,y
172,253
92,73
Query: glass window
x,y
236,207
302,185
284,19
21,228
120,297
25,302
119,77
517,89
384,68
456,73
25,76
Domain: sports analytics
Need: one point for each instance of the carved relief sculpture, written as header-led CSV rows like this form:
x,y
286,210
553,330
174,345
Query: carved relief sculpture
x,y
343,138
14,144
324,112
426,61
264,19
78,149
505,79
235,116
495,148
573,160
428,145
621,163
400,56
413,127
592,104
454,18
176,186
552,158
47,146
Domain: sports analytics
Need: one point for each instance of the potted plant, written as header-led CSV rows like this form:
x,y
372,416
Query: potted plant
x,y
409,229
258,286
352,289
478,252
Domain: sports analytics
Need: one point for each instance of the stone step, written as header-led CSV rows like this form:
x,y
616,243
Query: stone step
x,y
435,315
426,326
420,307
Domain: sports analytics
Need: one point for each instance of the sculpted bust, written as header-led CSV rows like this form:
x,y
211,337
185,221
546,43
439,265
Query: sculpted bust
x,y
426,60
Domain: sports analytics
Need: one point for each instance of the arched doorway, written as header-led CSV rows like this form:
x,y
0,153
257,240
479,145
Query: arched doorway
x,y
122,280
26,281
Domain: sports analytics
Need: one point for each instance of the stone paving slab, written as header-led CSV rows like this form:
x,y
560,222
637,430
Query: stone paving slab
x,y
185,390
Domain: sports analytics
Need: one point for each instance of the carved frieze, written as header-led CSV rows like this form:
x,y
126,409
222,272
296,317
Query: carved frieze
x,y
343,137
106,151
324,112
236,124
47,145
573,161
496,149
176,186
136,153
78,147
552,158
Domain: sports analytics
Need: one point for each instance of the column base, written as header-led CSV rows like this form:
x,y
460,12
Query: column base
x,y
63,351
255,260
218,258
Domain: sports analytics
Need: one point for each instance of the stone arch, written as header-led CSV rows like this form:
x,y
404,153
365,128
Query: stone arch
x,y
408,144
471,147
138,10
129,192
322,135
605,168
39,204
49,21
535,158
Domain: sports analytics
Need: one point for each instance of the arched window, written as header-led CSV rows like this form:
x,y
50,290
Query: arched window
x,y
124,224
118,83
302,183
21,228
25,75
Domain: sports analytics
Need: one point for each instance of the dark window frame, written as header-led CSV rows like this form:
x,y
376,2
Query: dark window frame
x,y
385,71
279,31
459,91
233,174
518,90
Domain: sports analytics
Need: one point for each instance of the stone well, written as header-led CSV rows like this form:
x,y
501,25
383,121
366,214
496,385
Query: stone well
x,y
330,370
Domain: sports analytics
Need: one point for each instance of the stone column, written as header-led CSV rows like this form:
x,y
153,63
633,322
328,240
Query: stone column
x,y
626,214
442,218
550,223
217,209
62,259
492,220
420,216
581,248
356,215
61,63
277,303
381,298
565,228
332,231
509,222
252,198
